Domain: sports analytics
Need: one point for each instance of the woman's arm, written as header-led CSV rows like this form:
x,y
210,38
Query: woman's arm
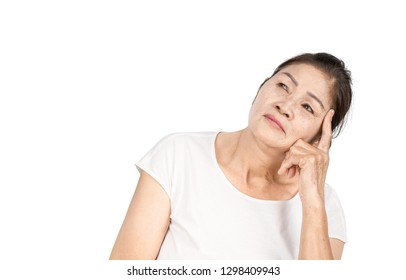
x,y
311,162
145,224
314,241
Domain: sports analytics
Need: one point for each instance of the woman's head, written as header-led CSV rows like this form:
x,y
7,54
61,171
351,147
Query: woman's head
x,y
300,93
339,76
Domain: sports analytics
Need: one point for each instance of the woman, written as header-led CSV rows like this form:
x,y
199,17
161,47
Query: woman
x,y
257,193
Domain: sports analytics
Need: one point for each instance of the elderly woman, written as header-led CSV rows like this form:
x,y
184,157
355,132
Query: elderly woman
x,y
257,193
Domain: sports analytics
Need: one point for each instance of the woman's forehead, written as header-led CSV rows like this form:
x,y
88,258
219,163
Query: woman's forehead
x,y
303,71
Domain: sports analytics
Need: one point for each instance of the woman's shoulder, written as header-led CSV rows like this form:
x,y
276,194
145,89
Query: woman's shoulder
x,y
179,137
329,191
177,142
331,197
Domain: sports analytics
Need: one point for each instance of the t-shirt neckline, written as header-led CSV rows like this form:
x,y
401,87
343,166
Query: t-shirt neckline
x,y
234,189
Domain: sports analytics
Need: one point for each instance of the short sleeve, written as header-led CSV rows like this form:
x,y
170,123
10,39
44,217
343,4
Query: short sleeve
x,y
158,163
335,215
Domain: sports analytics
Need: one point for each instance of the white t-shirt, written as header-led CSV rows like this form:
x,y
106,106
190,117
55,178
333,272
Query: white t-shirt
x,y
211,219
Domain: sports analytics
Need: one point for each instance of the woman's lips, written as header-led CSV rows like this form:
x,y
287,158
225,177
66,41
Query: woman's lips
x,y
274,122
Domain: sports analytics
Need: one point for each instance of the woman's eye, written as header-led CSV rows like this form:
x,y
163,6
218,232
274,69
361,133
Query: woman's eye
x,y
308,108
282,85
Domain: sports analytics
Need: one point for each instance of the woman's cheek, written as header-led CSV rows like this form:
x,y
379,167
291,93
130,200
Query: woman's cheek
x,y
304,131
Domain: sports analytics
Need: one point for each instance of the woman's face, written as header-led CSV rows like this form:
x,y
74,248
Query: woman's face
x,y
290,106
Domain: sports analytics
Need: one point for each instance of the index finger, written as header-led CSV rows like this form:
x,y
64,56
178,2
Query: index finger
x,y
326,133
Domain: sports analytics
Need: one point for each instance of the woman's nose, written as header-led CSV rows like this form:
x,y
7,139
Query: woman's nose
x,y
283,110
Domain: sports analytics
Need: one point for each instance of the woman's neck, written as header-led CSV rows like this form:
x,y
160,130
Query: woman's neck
x,y
255,163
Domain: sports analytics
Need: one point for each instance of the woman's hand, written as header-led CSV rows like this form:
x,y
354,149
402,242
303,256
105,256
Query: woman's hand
x,y
311,162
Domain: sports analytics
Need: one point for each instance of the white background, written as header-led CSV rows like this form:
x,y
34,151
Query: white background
x,y
87,87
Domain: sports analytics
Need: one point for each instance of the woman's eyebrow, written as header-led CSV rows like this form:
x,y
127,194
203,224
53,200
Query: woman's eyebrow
x,y
312,95
291,77
316,98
